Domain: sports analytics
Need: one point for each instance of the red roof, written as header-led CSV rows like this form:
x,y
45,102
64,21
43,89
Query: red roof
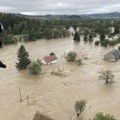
x,y
49,59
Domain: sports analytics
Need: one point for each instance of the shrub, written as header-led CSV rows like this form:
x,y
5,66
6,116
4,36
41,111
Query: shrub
x,y
71,56
9,39
35,67
112,43
119,48
97,42
105,42
52,53
101,116
78,61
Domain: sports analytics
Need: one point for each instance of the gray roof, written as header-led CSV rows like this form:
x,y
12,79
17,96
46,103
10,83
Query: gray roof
x,y
118,35
113,55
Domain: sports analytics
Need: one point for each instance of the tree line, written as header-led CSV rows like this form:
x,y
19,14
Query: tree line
x,y
32,29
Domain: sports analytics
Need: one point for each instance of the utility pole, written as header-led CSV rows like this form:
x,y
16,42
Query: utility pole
x,y
28,100
20,94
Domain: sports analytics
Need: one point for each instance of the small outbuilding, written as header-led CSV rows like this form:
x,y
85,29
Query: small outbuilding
x,y
112,56
47,60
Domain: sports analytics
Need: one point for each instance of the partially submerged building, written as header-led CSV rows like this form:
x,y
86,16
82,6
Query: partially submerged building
x,y
39,116
112,56
47,60
117,36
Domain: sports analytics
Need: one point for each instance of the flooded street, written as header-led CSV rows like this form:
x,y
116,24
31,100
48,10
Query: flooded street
x,y
53,95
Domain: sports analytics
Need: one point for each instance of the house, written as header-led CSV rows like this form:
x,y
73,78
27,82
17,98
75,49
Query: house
x,y
117,36
39,116
47,60
112,56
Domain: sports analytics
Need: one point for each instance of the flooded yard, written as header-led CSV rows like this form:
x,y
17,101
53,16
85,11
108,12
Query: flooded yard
x,y
53,95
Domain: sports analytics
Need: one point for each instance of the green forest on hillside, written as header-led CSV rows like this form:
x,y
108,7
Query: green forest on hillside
x,y
17,28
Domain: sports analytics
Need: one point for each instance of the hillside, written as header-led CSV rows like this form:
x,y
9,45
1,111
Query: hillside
x,y
93,16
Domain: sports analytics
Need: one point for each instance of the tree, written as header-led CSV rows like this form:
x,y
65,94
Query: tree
x,y
85,38
97,42
107,76
86,33
102,36
91,37
52,53
105,42
80,106
76,37
119,48
35,67
23,58
71,56
108,32
101,116
78,61
116,29
31,36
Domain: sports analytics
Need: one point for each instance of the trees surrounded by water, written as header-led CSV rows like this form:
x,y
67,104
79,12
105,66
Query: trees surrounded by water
x,y
76,37
107,76
34,29
101,116
71,56
80,106
23,58
35,67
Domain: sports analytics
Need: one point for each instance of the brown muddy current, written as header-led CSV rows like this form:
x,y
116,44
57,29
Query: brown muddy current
x,y
53,95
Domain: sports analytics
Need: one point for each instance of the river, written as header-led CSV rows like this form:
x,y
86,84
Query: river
x,y
53,95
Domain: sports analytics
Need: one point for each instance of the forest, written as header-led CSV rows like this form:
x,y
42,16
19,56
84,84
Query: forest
x,y
17,28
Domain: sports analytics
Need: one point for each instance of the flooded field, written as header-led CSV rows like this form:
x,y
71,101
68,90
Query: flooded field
x,y
53,95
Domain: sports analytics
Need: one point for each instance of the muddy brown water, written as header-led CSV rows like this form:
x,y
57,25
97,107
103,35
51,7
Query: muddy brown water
x,y
53,95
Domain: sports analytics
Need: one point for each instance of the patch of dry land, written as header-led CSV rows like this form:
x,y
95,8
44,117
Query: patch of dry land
x,y
53,95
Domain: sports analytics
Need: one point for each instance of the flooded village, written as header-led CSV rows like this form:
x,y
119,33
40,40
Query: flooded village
x,y
59,67
53,95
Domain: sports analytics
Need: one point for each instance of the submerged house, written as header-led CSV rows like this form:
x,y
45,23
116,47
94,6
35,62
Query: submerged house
x,y
113,55
39,116
47,60
117,36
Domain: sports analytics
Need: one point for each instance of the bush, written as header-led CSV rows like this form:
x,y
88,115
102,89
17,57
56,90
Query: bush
x,y
26,37
39,35
119,48
52,53
97,42
78,61
101,116
71,56
35,67
112,43
105,43
9,39
117,41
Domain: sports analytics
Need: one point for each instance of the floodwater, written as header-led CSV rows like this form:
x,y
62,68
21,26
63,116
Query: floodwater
x,y
53,95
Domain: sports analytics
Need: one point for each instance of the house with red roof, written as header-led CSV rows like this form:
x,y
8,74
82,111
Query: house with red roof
x,y
47,60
